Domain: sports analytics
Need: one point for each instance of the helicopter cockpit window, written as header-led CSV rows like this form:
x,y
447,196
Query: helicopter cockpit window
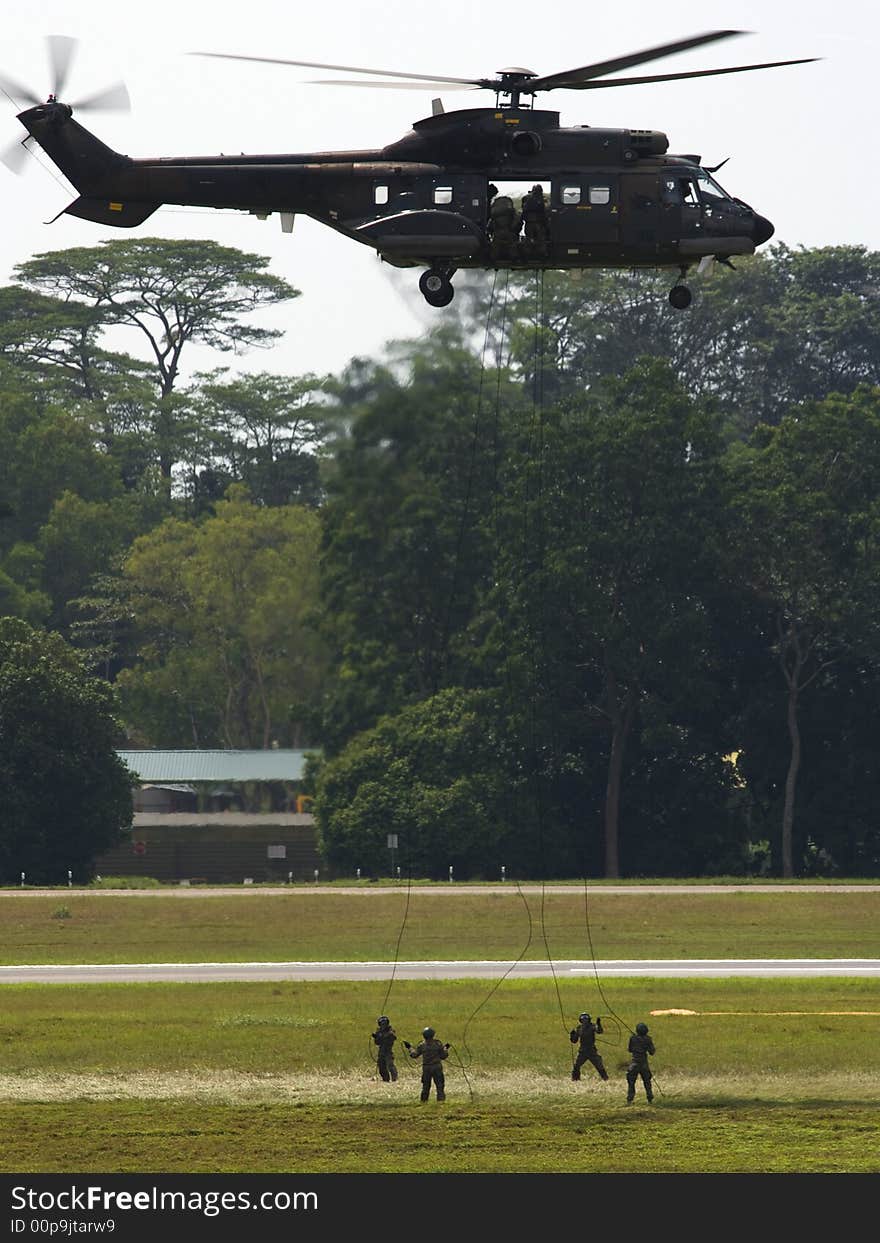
x,y
570,195
710,189
380,195
600,195
442,195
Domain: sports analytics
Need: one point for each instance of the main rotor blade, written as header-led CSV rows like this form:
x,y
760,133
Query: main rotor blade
x,y
548,81
311,64
61,53
672,77
112,98
16,91
389,86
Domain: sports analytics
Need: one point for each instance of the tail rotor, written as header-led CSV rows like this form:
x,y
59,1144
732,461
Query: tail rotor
x,y
61,55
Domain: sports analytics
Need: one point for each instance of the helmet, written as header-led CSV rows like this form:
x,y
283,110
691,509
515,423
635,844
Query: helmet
x,y
642,1029
428,1033
383,1020
584,1018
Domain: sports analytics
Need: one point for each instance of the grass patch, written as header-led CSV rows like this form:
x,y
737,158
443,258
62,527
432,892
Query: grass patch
x,y
301,925
397,1136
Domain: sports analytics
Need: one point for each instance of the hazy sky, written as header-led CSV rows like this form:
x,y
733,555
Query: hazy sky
x,y
801,140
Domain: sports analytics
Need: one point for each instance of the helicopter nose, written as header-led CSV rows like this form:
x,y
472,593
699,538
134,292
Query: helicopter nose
x,y
762,230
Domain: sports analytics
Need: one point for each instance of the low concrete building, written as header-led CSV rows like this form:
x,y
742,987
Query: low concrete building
x,y
211,846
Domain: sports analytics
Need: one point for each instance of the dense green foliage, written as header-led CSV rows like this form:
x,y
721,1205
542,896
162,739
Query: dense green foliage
x,y
530,582
65,794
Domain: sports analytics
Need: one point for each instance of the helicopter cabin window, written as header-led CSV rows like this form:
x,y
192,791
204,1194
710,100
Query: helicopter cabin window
x,y
570,195
380,195
600,196
688,189
442,195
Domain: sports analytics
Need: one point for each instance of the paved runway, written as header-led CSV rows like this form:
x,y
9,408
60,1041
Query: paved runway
x,y
206,972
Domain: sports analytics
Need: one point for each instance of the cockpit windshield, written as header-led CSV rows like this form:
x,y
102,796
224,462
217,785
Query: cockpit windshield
x,y
710,189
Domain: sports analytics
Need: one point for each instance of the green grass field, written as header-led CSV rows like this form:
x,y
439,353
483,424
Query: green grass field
x,y
767,1075
306,926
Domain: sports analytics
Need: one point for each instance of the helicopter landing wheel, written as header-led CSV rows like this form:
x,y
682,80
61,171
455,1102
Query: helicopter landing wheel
x,y
680,297
436,288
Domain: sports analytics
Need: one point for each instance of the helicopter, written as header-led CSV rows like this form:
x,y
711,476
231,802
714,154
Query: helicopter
x,y
448,194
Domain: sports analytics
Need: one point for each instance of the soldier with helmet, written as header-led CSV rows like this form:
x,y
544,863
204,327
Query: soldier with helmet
x,y
535,223
384,1037
640,1046
585,1035
504,225
433,1053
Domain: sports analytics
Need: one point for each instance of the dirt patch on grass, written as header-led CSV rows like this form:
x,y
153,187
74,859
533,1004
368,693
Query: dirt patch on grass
x,y
332,1088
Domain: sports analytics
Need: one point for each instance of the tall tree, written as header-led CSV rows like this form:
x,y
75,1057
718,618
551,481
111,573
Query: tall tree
x,y
170,293
808,513
609,528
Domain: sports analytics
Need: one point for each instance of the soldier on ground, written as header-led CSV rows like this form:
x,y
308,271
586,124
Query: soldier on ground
x,y
585,1034
432,1052
384,1037
640,1045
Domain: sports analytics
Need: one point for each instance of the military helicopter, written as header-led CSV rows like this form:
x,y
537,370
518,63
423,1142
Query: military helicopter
x,y
438,197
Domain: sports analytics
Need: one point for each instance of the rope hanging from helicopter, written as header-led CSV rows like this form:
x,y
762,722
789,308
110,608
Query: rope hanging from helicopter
x,y
538,643
439,664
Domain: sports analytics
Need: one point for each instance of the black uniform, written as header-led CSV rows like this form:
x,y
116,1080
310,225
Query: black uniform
x,y
384,1038
504,224
639,1047
432,1052
535,224
586,1033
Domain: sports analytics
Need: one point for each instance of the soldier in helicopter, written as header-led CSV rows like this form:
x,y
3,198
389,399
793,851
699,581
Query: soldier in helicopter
x,y
535,224
504,225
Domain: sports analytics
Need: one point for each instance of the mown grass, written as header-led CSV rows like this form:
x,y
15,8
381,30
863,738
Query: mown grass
x,y
512,1026
771,1076
265,1077
190,1136
309,926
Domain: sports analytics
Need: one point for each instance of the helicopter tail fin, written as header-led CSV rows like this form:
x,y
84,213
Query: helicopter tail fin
x,y
85,161
108,191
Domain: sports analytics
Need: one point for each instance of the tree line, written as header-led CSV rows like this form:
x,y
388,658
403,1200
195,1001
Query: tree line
x,y
574,583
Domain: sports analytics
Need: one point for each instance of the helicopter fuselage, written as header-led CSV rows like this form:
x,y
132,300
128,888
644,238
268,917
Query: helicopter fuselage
x,y
610,198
